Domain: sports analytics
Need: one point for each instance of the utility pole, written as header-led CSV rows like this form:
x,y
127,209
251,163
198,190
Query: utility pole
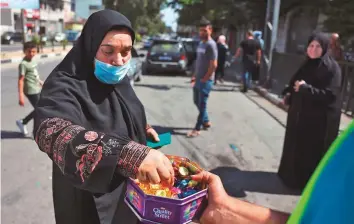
x,y
270,36
23,25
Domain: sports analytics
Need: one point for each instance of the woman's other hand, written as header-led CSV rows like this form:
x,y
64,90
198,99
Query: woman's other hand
x,y
298,84
151,133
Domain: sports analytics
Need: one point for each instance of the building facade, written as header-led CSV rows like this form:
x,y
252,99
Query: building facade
x,y
43,20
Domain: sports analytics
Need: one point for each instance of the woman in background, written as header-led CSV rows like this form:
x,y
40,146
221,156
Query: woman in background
x,y
223,52
314,99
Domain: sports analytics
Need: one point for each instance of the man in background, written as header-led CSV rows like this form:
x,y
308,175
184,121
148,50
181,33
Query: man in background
x,y
251,58
203,77
335,48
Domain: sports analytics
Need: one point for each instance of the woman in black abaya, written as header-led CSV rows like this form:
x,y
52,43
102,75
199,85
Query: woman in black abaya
x,y
92,125
314,113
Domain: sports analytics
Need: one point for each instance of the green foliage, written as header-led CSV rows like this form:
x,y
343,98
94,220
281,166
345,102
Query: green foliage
x,y
138,37
36,39
64,43
340,13
220,12
289,5
340,18
141,13
153,25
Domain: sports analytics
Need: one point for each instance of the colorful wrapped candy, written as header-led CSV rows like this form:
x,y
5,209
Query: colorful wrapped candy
x,y
183,185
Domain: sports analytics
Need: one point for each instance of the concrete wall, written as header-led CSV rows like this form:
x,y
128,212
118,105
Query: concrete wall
x,y
295,28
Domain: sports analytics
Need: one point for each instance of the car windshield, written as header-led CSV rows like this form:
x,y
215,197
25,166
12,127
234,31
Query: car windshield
x,y
166,48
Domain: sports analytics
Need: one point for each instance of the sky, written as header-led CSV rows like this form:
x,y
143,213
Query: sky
x,y
170,17
82,7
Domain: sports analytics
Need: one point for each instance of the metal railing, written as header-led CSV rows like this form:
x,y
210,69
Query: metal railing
x,y
284,67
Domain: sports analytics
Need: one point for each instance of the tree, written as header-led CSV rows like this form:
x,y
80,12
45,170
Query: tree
x,y
288,5
141,13
340,18
220,12
340,13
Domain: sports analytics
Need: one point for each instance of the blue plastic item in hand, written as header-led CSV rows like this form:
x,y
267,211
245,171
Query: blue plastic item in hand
x,y
165,139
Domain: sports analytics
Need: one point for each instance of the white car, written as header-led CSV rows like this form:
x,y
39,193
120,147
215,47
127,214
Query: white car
x,y
59,37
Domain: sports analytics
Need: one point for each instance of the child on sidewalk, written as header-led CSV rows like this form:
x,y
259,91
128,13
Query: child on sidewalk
x,y
29,84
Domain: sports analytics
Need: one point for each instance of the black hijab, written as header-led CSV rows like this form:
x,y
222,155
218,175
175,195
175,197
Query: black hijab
x,y
313,70
326,59
72,92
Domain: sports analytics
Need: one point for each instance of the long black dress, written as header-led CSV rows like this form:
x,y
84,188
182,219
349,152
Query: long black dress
x,y
222,56
313,120
94,132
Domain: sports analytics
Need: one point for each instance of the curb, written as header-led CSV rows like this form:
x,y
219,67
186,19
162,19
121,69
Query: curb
x,y
278,102
18,59
48,55
271,98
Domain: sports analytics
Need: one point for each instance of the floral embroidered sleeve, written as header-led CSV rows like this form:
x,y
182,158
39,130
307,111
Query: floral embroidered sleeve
x,y
88,158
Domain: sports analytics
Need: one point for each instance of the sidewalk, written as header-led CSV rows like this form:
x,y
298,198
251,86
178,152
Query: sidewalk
x,y
16,56
280,111
345,120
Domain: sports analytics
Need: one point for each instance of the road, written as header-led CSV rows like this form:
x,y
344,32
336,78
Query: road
x,y
12,47
247,170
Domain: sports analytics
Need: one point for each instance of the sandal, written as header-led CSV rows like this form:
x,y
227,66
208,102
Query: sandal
x,y
193,134
207,125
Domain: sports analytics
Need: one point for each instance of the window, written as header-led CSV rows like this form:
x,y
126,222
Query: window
x,y
166,47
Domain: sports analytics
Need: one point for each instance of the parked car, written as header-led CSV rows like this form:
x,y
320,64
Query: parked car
x,y
135,71
11,37
147,42
166,56
59,37
191,46
72,36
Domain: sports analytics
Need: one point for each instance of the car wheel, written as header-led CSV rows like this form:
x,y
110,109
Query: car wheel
x,y
11,42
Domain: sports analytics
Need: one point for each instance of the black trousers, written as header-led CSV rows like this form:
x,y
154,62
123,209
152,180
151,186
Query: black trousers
x,y
219,72
33,98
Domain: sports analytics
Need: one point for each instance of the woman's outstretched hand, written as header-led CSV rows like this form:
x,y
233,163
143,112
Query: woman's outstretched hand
x,y
156,168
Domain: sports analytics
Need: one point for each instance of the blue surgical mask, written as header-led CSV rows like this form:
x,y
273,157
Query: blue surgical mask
x,y
110,74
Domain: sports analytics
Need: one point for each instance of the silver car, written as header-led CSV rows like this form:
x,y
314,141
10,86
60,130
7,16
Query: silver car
x,y
135,71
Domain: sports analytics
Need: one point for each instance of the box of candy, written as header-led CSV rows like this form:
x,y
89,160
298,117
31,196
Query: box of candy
x,y
156,203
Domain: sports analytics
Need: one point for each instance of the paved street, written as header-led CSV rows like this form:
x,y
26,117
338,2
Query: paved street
x,y
247,170
12,47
